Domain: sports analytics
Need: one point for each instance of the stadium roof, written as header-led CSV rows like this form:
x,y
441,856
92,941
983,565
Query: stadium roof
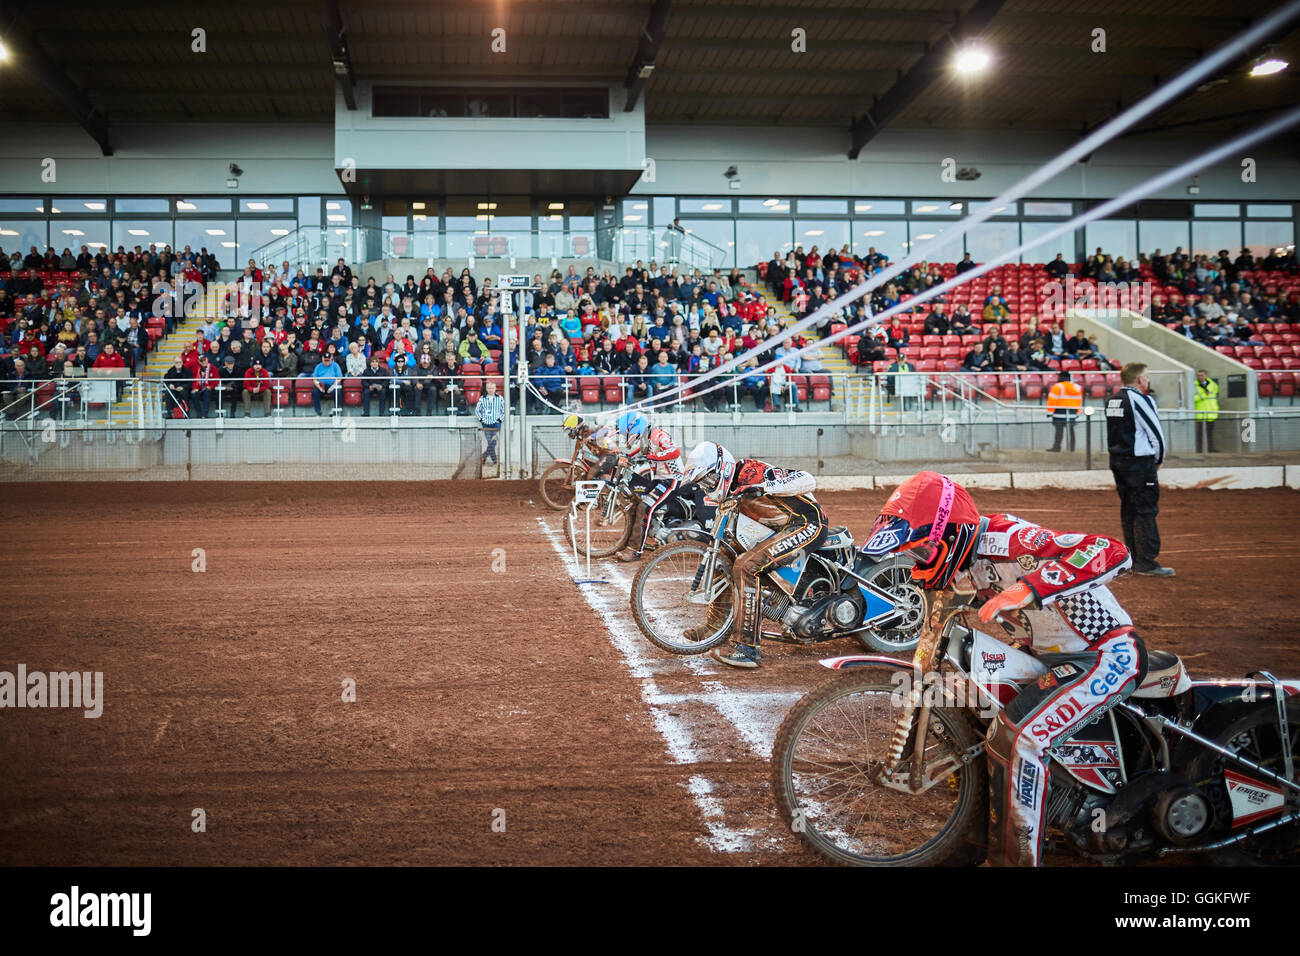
x,y
867,66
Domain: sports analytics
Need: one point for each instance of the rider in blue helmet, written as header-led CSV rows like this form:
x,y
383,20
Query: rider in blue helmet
x,y
631,423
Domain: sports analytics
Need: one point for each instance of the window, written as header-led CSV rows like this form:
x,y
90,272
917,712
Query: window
x,y
823,206
636,212
142,205
1216,210
1273,210
825,234
20,234
338,212
928,242
70,206
309,210
1209,237
1063,209
1116,237
880,207
266,206
217,235
130,233
990,239
23,205
886,236
1163,235
75,233
1006,209
665,208
203,205
718,233
1263,237
459,102
253,234
757,240
713,207
1042,249
935,207
765,207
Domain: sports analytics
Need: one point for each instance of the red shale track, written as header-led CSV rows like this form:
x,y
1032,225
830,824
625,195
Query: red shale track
x,y
475,690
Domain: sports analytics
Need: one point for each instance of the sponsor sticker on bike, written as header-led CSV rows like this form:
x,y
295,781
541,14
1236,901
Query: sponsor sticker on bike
x,y
1034,538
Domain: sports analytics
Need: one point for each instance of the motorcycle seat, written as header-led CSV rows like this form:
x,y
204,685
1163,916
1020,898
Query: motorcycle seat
x,y
836,538
1165,676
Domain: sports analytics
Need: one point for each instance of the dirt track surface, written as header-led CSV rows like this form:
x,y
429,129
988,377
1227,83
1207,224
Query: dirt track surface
x,y
475,690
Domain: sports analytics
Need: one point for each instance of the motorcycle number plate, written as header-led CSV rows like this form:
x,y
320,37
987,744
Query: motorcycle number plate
x,y
648,499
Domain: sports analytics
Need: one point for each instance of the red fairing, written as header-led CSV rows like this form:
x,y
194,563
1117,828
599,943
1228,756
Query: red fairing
x,y
1067,561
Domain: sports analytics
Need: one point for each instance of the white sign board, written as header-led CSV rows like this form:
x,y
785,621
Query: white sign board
x,y
514,282
586,492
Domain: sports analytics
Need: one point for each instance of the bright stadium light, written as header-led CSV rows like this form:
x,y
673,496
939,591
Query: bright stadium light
x,y
971,59
4,53
1269,66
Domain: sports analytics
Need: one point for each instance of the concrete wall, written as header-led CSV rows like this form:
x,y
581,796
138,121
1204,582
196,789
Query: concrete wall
x,y
1192,355
1124,348
377,142
689,160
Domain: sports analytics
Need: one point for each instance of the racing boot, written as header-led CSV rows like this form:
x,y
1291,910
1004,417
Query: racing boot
x,y
629,554
716,620
640,521
740,655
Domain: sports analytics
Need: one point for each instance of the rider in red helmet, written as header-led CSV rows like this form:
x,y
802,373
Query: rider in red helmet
x,y
1049,585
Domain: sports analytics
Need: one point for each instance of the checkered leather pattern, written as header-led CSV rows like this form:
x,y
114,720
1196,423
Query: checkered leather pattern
x,y
1089,616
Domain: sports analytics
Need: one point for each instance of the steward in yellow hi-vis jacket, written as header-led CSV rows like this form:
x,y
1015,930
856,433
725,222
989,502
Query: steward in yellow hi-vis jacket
x,y
1207,410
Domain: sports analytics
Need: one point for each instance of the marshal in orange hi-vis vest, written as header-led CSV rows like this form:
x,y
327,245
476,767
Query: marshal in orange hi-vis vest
x,y
1064,400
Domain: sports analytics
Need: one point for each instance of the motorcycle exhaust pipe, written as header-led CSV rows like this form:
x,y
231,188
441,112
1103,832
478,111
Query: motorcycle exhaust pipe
x,y
1284,820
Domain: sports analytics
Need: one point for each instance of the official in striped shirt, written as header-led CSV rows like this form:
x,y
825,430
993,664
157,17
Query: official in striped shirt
x,y
1137,450
489,410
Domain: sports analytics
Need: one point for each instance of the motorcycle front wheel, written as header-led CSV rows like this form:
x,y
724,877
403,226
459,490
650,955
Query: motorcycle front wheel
x,y
662,598
556,485
829,763
609,536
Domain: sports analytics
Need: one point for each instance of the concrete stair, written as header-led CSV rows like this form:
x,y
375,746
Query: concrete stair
x,y
856,388
160,360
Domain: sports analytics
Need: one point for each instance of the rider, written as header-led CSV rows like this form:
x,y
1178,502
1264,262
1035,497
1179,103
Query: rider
x,y
1053,586
776,497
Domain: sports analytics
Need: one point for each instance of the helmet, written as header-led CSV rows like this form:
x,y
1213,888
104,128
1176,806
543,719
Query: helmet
x,y
935,519
631,423
707,463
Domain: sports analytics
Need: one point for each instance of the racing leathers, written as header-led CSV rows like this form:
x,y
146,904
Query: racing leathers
x,y
786,500
657,446
1050,587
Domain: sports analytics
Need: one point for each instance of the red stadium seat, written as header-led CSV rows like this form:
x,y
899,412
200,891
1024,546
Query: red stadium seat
x,y
613,387
821,387
352,391
280,395
589,388
302,389
1265,384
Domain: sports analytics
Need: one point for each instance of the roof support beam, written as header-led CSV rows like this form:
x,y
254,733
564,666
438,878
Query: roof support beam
x,y
647,48
32,59
341,57
924,72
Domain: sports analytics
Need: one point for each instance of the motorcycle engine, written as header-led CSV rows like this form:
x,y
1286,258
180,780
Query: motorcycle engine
x,y
832,614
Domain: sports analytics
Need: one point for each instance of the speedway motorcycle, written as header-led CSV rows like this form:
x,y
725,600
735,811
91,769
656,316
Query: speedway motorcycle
x,y
557,481
823,595
884,764
613,513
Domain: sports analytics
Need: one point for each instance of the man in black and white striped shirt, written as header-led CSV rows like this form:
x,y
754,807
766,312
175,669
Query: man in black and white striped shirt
x,y
1137,450
489,410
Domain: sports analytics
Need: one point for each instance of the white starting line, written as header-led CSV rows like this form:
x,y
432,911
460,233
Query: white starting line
x,y
688,719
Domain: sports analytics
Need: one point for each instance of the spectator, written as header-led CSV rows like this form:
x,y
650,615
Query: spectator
x,y
257,385
1063,404
551,386
966,264
206,384
1058,268
637,382
1079,347
374,384
326,377
663,374
900,364
783,387
936,322
426,384
177,387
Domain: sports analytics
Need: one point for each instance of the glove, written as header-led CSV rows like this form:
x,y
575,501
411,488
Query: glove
x,y
752,492
1012,599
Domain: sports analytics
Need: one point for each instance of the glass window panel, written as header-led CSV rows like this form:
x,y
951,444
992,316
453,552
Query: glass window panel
x,y
880,207
824,206
1263,237
990,239
23,205
1116,237
1217,210
1043,249
636,212
78,206
21,234
586,104
927,241
138,204
887,236
212,234
757,240
266,205
765,207
130,233
1209,237
1282,210
541,103
716,207
934,207
442,104
825,234
1162,234
338,212
665,207
481,104
74,233
720,233
255,233
309,210
1064,209
1006,209
202,205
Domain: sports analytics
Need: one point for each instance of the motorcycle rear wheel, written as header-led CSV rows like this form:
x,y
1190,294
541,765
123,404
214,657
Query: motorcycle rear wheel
x,y
827,760
895,577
